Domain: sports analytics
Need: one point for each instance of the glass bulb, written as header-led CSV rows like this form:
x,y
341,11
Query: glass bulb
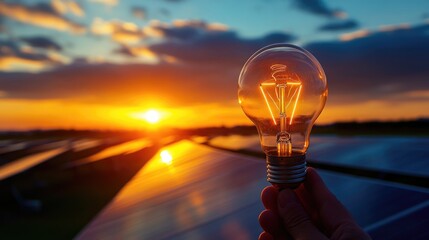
x,y
283,89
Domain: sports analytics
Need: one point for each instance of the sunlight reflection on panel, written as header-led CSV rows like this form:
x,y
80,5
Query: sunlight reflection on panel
x,y
199,139
84,144
191,209
166,157
13,147
381,153
124,148
208,193
27,162
192,183
236,142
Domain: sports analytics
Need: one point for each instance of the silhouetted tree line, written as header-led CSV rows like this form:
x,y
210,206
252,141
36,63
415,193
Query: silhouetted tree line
x,y
406,127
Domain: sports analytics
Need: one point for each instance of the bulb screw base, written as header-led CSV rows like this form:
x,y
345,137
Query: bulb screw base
x,y
286,171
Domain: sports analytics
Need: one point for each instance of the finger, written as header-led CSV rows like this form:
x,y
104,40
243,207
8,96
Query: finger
x,y
295,219
265,236
269,198
270,221
326,203
350,231
307,202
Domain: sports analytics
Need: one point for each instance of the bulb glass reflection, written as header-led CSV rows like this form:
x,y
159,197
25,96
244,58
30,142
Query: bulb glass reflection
x,y
283,89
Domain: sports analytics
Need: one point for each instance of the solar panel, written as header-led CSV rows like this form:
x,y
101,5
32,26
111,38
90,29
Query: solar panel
x,y
190,191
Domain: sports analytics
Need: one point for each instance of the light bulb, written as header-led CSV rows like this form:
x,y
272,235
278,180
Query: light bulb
x,y
283,89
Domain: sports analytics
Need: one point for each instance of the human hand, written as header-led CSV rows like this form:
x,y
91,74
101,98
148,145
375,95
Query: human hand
x,y
309,212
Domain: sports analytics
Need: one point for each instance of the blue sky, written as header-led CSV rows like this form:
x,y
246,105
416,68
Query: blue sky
x,y
249,18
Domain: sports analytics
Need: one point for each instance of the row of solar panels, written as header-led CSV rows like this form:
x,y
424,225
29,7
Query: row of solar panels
x,y
204,193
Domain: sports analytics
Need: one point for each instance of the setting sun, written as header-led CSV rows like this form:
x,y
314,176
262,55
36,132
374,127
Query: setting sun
x,y
152,116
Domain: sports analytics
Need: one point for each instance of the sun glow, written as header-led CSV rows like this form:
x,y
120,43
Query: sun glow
x,y
151,116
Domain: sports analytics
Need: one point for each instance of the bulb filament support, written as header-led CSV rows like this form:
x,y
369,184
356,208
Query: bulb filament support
x,y
283,89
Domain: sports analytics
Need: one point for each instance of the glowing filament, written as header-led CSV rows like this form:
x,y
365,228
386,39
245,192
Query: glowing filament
x,y
269,108
281,80
294,83
294,106
282,100
268,84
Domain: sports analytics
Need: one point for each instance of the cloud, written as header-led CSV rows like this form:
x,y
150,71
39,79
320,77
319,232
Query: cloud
x,y
221,48
3,28
7,63
130,84
339,26
377,64
135,51
139,12
382,66
110,3
13,57
390,28
361,33
417,94
200,42
65,6
119,31
182,29
42,42
319,7
42,15
195,77
143,52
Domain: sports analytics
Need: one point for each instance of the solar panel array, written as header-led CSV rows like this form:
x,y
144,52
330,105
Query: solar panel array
x,y
205,193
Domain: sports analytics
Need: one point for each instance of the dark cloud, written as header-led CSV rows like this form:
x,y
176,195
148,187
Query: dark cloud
x,y
200,42
41,14
380,65
119,31
339,25
318,7
10,48
12,54
183,29
216,61
42,42
223,47
125,84
3,28
125,51
139,12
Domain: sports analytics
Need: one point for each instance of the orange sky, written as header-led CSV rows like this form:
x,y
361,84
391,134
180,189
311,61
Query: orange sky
x,y
65,64
48,114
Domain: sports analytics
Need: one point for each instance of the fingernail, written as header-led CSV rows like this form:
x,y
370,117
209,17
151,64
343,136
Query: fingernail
x,y
285,196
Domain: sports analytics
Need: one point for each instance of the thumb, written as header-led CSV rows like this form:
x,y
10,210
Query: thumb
x,y
295,219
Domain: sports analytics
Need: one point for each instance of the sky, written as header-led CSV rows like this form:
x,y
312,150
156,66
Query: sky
x,y
101,64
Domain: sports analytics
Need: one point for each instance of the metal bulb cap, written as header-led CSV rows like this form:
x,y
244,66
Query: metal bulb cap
x,y
286,171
